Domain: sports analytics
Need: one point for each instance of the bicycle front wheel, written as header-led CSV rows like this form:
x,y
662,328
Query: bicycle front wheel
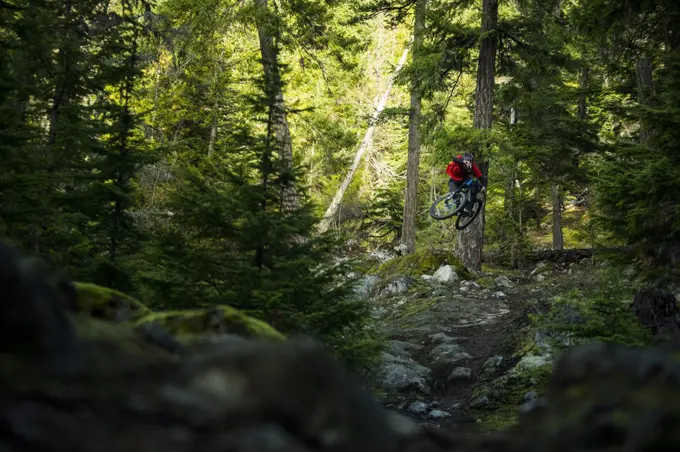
x,y
447,205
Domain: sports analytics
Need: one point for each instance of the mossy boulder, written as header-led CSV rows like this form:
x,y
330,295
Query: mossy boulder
x,y
108,304
422,262
189,324
118,346
609,397
108,316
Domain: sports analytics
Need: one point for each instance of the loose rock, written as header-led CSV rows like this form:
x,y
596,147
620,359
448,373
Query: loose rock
x,y
529,396
397,287
539,267
469,285
438,414
366,285
448,353
530,362
460,373
445,274
418,408
480,402
442,338
403,374
492,364
504,282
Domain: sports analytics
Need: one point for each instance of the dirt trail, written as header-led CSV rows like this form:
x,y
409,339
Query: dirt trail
x,y
459,328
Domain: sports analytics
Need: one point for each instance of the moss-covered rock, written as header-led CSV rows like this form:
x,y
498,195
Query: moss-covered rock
x,y
421,262
117,346
108,304
609,397
505,395
220,319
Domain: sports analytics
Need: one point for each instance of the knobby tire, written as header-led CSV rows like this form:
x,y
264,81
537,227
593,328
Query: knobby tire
x,y
469,219
433,210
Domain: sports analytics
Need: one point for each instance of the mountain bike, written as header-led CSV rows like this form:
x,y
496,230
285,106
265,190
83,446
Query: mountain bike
x,y
452,204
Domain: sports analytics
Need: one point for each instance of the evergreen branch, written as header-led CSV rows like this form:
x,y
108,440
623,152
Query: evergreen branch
x,y
517,40
384,6
453,88
629,44
6,5
319,64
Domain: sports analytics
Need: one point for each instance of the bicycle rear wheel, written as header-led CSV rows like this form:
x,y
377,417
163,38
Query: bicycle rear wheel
x,y
463,222
447,205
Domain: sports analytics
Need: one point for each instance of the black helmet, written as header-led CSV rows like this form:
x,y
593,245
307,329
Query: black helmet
x,y
467,157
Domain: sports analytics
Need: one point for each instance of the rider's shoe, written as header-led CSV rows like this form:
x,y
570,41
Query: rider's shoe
x,y
467,212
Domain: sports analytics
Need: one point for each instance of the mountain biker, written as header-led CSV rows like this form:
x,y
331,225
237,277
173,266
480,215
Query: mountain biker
x,y
460,169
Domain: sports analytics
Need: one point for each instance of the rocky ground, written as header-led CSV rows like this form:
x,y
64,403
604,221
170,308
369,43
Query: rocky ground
x,y
452,354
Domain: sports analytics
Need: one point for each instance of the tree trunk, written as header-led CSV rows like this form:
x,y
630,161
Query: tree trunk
x,y
274,90
558,240
216,104
582,104
582,112
508,247
471,240
62,87
365,144
486,66
408,232
645,85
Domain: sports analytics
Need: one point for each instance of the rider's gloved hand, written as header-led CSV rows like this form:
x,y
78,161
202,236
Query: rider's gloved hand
x,y
483,189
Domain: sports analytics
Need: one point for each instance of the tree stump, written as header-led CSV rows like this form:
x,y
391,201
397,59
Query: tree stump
x,y
657,310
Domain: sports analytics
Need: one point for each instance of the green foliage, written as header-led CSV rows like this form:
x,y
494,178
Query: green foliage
x,y
510,391
382,216
638,186
70,135
225,249
601,315
200,223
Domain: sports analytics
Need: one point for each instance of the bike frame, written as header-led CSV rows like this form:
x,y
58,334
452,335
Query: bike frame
x,y
466,184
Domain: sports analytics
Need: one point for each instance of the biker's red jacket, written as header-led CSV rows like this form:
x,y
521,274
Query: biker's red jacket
x,y
457,171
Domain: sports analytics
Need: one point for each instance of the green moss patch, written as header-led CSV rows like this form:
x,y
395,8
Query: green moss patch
x,y
422,262
485,281
507,395
112,337
108,304
220,319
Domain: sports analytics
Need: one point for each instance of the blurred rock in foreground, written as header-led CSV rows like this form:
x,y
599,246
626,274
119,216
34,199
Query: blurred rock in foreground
x,y
82,375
